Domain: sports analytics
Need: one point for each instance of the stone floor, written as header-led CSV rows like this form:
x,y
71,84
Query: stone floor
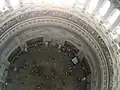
x,y
45,67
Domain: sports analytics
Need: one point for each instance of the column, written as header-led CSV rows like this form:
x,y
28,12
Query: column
x,y
21,3
22,44
115,24
100,2
2,69
86,4
5,63
80,55
2,79
108,13
8,4
75,3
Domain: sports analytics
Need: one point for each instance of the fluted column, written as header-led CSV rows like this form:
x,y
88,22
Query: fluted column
x,y
21,43
2,79
2,69
100,2
8,4
86,4
115,24
108,13
5,63
75,3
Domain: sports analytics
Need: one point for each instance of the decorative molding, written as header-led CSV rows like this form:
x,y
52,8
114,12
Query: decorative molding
x,y
73,22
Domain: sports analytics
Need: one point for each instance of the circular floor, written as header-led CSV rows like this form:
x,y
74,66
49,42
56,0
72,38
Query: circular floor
x,y
47,66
